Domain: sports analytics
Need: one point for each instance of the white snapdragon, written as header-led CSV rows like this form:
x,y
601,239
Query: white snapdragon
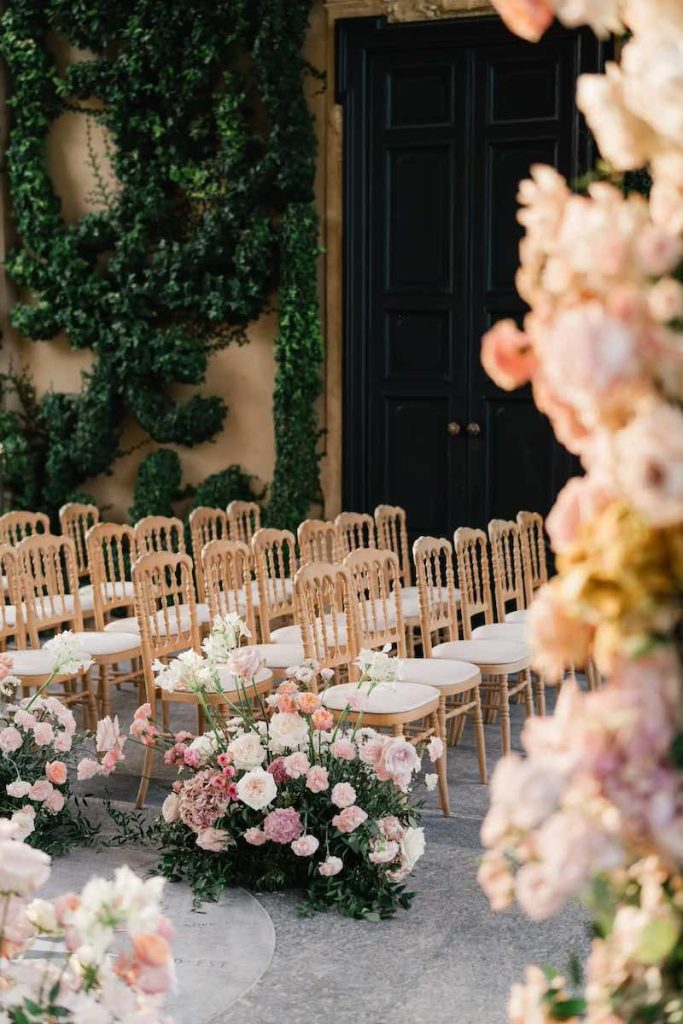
x,y
225,637
69,656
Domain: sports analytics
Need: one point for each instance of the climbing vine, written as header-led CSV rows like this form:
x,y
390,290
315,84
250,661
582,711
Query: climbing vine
x,y
212,151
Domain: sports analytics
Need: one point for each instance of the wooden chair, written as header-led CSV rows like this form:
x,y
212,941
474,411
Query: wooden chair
x,y
496,659
229,589
355,530
326,596
318,541
377,576
159,533
15,526
75,520
34,667
166,608
508,575
244,519
392,535
206,524
111,553
534,561
50,581
274,560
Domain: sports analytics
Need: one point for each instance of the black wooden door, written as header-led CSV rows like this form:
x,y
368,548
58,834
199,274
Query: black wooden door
x,y
441,121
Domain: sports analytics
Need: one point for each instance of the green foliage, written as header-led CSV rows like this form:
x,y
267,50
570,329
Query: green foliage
x,y
213,152
231,484
157,485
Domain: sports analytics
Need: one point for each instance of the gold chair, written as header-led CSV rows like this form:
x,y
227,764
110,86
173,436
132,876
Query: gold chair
x,y
318,541
229,589
496,659
75,520
111,553
508,576
244,519
15,526
159,533
274,559
326,598
392,535
206,524
50,584
534,562
355,530
166,609
377,576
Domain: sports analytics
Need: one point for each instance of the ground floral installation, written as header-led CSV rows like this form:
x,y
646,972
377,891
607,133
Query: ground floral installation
x,y
39,755
278,795
596,807
110,957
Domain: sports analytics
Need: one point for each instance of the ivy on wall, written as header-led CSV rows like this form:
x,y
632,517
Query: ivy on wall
x,y
213,153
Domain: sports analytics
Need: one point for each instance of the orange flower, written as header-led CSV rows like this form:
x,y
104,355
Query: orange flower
x,y
507,355
526,18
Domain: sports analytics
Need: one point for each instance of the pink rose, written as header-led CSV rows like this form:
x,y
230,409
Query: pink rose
x,y
383,851
526,18
305,846
308,702
322,719
649,463
391,828
507,355
331,866
40,790
349,819
343,795
371,751
557,639
580,501
296,765
55,802
213,839
398,761
255,837
17,789
245,662
317,779
344,749
283,825
56,772
435,749
568,427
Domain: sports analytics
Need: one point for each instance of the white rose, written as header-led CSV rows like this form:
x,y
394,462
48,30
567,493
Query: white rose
x,y
42,916
256,789
22,869
247,751
205,746
288,731
25,821
412,847
169,808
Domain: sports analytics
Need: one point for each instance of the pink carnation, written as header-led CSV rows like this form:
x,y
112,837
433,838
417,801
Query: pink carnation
x,y
317,779
40,790
283,825
297,764
344,748
87,769
17,789
349,819
331,866
305,846
10,740
55,802
255,836
43,733
278,770
343,795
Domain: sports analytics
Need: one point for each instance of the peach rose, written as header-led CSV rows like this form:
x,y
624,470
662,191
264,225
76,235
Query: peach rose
x,y
308,702
245,662
579,501
213,839
322,719
526,18
349,819
507,355
255,837
558,640
56,772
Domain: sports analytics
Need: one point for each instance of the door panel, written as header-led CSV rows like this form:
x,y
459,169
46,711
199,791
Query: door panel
x,y
441,121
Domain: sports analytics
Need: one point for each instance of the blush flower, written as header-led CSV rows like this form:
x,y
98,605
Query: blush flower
x,y
330,866
255,837
349,819
317,779
283,825
56,772
296,765
257,789
344,749
343,795
305,846
322,719
507,355
214,840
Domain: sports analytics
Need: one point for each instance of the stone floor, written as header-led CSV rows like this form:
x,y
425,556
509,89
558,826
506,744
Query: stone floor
x,y
449,960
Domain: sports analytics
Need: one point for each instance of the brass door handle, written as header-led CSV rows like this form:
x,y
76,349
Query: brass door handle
x,y
473,429
454,428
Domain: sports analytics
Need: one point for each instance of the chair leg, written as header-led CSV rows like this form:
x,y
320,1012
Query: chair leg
x,y
201,720
91,703
105,696
480,738
540,695
529,695
165,716
147,766
438,721
504,708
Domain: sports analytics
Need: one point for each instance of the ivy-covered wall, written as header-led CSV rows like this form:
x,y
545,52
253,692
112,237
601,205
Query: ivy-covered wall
x,y
206,222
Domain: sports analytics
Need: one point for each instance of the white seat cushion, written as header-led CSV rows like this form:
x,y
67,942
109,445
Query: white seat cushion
x,y
276,591
482,652
439,672
292,634
384,699
410,603
281,655
521,615
101,644
31,663
118,589
130,624
501,631
64,605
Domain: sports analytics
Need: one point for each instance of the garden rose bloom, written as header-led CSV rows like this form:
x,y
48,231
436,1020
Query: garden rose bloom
x,y
317,779
17,789
412,847
322,719
305,846
257,789
56,772
150,949
22,869
343,795
391,828
344,749
255,836
649,463
213,839
665,299
526,18
308,702
10,740
170,809
40,790
109,735
247,751
296,765
371,750
579,501
330,866
55,802
557,639
349,819
397,762
383,851
507,355
288,731
283,825
245,662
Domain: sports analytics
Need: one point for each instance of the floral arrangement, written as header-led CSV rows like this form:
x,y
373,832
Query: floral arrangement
x,y
111,959
279,796
596,806
39,755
